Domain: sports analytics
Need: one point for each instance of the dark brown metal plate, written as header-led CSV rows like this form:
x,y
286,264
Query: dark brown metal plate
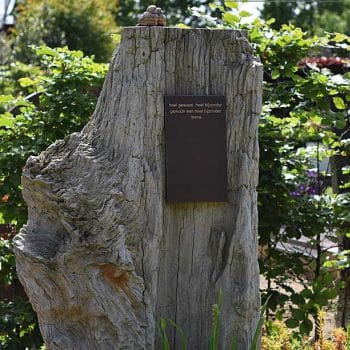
x,y
195,140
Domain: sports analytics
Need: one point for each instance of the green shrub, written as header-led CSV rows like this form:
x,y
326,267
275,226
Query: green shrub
x,y
301,104
11,74
67,91
81,25
18,322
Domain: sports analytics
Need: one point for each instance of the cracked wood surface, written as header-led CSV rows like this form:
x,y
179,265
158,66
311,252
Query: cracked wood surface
x,y
102,256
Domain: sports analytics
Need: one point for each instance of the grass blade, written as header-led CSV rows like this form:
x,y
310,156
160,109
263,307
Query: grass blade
x,y
232,342
215,335
183,336
257,332
163,336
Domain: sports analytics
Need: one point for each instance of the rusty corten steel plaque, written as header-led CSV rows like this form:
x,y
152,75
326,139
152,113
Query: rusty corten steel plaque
x,y
195,141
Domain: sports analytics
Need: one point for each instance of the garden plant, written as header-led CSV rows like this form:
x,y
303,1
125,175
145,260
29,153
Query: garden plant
x,y
305,102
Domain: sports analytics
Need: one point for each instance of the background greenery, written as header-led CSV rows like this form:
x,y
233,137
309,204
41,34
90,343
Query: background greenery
x,y
315,17
81,25
47,93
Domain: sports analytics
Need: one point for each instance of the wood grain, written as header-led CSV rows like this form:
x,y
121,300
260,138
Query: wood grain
x,y
103,256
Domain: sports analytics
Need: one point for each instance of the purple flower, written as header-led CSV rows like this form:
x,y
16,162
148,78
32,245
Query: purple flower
x,y
311,174
312,190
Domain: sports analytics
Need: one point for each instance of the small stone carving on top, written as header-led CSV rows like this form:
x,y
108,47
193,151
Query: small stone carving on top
x,y
154,16
161,17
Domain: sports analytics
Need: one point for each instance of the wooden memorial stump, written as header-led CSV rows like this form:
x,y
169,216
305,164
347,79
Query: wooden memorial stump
x,y
104,255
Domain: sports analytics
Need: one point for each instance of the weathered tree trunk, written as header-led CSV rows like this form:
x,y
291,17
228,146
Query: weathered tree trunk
x,y
103,256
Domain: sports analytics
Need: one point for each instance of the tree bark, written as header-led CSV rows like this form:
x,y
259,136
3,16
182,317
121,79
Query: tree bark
x,y
103,256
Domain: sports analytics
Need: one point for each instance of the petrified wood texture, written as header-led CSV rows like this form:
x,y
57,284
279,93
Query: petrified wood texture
x,y
102,256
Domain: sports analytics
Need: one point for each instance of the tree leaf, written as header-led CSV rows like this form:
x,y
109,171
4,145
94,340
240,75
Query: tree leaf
x,y
182,25
231,4
230,18
292,323
244,14
298,314
6,98
297,299
44,50
271,21
24,82
338,102
275,74
306,327
6,119
327,278
331,293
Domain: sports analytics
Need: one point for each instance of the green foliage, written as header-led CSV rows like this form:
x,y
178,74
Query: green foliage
x,y
7,264
80,25
10,75
277,336
297,110
18,325
18,322
67,92
316,17
302,104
